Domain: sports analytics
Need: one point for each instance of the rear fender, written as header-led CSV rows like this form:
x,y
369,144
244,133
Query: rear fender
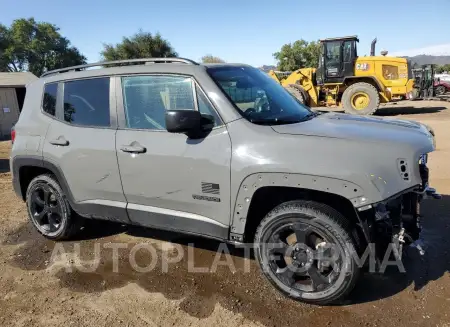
x,y
355,79
87,210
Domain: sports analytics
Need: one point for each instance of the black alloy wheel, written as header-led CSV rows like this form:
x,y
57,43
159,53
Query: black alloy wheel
x,y
49,210
46,209
306,250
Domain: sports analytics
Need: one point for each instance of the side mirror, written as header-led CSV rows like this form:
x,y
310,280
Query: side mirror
x,y
189,122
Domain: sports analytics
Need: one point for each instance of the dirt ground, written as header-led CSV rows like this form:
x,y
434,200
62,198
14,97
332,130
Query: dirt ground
x,y
37,291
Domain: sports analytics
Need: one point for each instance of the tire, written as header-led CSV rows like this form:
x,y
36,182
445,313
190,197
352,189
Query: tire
x,y
298,92
415,94
49,210
363,90
320,220
440,90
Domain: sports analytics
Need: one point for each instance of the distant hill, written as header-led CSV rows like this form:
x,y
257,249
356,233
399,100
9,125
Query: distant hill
x,y
417,60
267,68
426,59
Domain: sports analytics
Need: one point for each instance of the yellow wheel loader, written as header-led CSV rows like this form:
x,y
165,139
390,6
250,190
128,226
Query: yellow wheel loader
x,y
358,84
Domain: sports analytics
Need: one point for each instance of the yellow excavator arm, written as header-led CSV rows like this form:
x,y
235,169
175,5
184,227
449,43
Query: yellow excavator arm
x,y
303,77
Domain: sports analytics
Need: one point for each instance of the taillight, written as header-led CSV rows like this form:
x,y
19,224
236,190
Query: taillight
x,y
13,135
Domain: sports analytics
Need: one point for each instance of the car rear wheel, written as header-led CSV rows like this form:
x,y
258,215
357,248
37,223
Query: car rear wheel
x,y
306,251
49,210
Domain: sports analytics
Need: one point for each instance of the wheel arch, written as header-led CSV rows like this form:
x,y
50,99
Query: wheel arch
x,y
25,168
261,192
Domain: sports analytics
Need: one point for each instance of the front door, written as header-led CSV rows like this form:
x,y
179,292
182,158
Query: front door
x,y
169,180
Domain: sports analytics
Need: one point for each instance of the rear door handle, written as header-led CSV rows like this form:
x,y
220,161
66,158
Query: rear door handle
x,y
61,141
134,147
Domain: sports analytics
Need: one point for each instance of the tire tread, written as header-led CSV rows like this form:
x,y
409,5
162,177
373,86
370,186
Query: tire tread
x,y
74,222
331,219
348,93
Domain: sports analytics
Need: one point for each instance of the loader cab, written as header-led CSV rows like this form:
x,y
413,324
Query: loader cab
x,y
337,59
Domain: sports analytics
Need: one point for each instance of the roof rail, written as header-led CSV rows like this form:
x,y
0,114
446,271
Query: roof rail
x,y
120,62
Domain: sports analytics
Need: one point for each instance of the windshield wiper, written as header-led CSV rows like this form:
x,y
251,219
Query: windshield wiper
x,y
274,121
310,115
282,121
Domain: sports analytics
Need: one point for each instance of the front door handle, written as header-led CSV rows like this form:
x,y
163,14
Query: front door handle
x,y
61,141
134,147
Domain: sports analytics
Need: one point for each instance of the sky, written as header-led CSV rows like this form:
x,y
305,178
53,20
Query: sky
x,y
245,31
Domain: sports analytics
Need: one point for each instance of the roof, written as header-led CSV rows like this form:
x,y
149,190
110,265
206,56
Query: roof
x,y
119,70
16,79
171,68
351,37
224,64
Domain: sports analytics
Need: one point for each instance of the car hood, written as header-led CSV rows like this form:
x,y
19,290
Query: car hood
x,y
358,128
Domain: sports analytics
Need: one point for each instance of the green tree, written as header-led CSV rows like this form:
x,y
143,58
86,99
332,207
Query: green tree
x,y
5,40
37,47
210,59
140,45
297,55
443,68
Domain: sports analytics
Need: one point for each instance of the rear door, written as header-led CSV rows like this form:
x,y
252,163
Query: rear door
x,y
80,142
169,180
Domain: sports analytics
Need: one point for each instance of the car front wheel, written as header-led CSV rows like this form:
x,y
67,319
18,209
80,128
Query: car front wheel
x,y
306,251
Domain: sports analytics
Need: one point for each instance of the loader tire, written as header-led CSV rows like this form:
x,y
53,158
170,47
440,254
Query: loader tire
x,y
298,92
361,99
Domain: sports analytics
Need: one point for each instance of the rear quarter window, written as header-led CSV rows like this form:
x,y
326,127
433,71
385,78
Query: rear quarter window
x,y
49,99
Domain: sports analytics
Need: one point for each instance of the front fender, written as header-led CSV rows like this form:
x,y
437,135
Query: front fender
x,y
255,181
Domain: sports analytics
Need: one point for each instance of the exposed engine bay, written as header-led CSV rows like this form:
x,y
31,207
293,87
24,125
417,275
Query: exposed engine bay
x,y
397,220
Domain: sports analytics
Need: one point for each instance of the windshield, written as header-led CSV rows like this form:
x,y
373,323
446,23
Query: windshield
x,y
258,97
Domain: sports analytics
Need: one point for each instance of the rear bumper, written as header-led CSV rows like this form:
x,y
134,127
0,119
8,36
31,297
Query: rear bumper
x,y
17,188
15,179
403,90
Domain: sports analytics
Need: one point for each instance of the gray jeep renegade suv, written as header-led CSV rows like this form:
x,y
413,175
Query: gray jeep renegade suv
x,y
225,152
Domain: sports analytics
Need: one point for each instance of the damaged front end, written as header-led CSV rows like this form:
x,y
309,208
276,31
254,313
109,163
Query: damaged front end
x,y
397,220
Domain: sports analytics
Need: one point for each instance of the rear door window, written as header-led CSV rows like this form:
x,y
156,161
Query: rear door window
x,y
86,102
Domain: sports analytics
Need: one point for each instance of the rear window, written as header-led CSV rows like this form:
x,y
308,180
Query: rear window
x,y
86,102
49,101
